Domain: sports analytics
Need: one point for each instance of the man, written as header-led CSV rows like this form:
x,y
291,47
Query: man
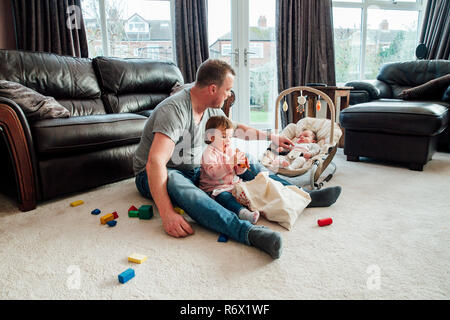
x,y
167,161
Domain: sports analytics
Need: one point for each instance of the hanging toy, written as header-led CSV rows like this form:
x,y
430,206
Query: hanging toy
x,y
301,103
285,106
302,99
318,105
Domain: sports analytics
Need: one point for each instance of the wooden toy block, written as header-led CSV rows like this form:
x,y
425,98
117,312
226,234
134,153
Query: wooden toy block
x,y
145,212
96,211
107,217
324,222
132,208
126,275
179,210
133,214
112,223
222,238
137,258
115,215
76,203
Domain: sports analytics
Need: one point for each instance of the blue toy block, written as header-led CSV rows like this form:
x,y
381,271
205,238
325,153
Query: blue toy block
x,y
96,211
126,275
111,223
222,238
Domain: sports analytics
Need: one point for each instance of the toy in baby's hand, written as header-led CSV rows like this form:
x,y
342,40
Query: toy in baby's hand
x,y
243,164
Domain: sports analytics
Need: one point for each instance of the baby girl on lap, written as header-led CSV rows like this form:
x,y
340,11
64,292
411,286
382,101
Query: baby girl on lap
x,y
221,166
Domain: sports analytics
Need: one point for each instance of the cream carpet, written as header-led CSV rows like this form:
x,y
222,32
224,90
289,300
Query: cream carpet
x,y
390,239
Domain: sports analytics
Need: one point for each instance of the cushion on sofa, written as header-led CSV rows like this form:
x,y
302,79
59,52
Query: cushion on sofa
x,y
149,82
61,77
431,90
35,105
71,81
87,133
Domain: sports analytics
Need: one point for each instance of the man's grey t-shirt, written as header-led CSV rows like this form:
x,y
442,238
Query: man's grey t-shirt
x,y
174,118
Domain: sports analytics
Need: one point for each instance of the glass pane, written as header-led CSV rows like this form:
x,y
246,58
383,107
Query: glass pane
x,y
136,29
91,17
262,62
219,29
347,43
391,36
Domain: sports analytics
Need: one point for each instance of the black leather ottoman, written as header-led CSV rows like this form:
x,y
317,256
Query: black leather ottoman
x,y
393,130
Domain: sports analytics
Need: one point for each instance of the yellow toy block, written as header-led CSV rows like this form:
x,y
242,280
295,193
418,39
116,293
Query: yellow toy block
x,y
137,258
76,203
106,218
179,210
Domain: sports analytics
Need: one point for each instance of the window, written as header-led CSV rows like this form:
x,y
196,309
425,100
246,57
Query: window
x,y
242,32
370,33
129,29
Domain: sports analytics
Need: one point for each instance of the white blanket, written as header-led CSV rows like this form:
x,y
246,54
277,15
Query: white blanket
x,y
278,203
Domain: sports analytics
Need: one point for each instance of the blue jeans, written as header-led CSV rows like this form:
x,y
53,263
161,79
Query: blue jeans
x,y
227,200
184,193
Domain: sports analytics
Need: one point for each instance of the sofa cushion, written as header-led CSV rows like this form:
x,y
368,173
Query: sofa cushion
x,y
65,78
35,105
85,133
133,85
432,89
396,117
408,74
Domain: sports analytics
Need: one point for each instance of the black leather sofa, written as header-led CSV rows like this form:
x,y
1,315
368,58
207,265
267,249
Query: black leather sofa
x,y
380,124
109,100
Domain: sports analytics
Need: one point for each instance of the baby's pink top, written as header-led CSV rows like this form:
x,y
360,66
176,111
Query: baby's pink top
x,y
218,173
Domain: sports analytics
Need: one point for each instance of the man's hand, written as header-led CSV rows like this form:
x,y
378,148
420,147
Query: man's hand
x,y
160,153
175,225
281,142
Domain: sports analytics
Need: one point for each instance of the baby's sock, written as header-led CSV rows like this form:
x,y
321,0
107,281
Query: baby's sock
x,y
246,214
324,197
267,240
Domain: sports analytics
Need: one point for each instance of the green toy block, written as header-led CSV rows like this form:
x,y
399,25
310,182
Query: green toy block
x,y
146,212
133,214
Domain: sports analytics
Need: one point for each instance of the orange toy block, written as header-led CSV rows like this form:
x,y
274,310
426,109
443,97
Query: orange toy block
x,y
106,218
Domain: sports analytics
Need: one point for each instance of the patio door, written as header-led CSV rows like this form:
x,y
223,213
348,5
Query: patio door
x,y
242,32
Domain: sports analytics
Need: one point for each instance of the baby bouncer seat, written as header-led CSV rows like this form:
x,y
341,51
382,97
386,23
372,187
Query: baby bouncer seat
x,y
327,133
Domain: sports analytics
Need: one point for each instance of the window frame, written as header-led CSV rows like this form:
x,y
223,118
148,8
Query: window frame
x,y
365,5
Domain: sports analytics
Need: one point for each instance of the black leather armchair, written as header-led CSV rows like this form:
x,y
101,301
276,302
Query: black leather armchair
x,y
382,125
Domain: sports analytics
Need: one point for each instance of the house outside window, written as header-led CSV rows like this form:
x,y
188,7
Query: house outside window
x,y
129,29
370,33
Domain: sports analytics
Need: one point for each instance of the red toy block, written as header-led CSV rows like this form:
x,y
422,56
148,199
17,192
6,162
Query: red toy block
x,y
133,208
115,214
324,222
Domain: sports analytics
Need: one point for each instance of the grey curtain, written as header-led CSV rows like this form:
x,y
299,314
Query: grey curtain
x,y
305,48
436,29
191,36
55,26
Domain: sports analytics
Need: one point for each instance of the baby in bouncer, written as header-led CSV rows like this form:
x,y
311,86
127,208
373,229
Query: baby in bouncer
x,y
305,147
